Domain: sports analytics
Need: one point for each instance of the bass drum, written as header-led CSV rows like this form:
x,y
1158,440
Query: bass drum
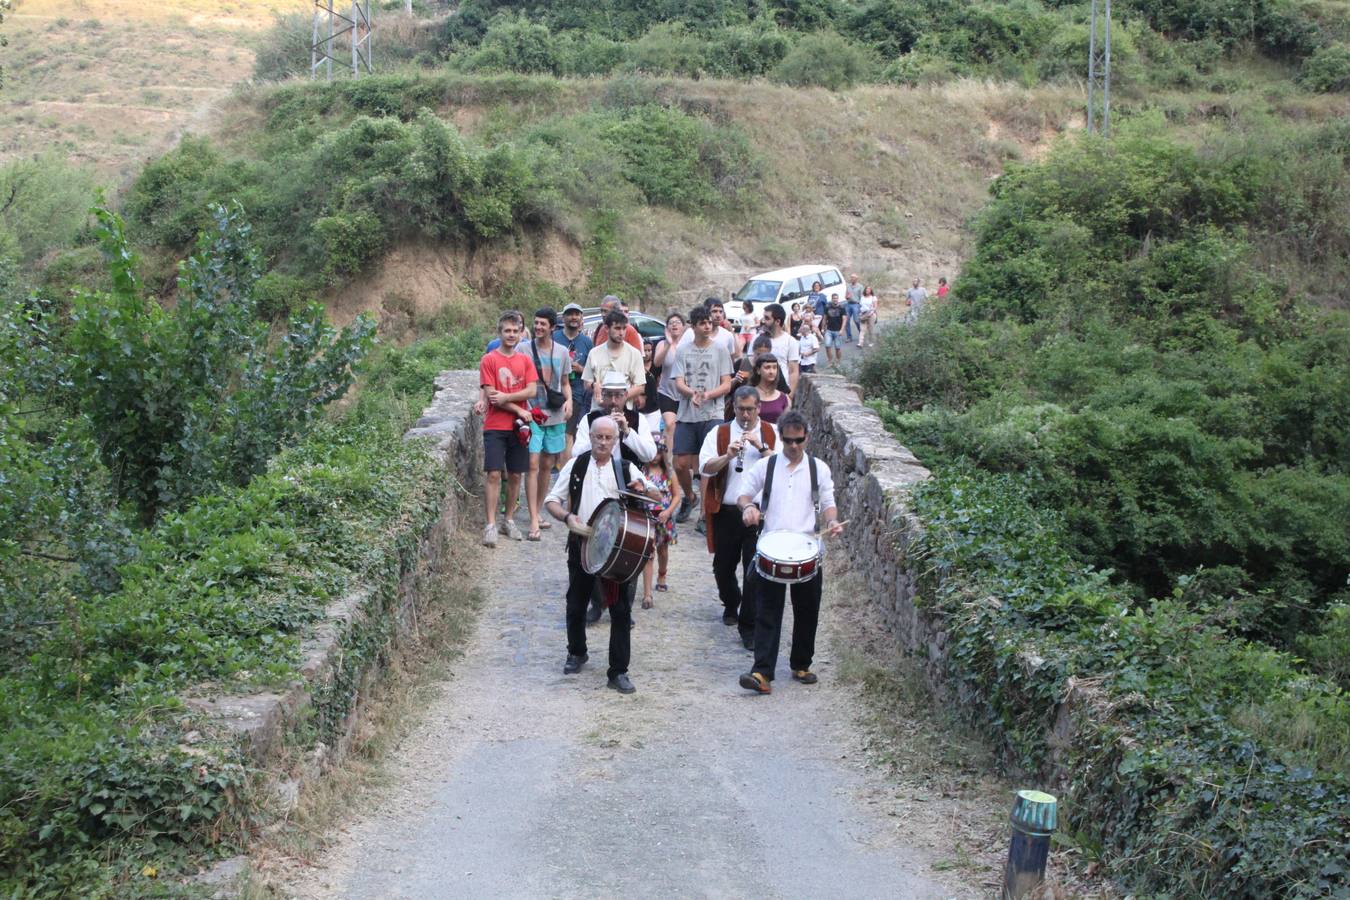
x,y
622,541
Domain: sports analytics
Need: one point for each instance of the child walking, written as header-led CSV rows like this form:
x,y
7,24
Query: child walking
x,y
661,472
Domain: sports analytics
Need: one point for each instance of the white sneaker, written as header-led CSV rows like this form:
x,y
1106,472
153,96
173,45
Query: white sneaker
x,y
512,530
490,536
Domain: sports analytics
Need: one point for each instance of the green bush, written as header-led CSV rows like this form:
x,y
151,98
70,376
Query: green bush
x,y
283,50
824,59
44,205
679,161
1327,70
515,44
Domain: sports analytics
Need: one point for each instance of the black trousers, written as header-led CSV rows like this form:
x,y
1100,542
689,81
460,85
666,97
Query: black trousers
x,y
579,585
733,549
769,623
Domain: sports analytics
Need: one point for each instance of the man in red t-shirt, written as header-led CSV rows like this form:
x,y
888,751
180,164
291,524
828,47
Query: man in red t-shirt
x,y
506,381
632,337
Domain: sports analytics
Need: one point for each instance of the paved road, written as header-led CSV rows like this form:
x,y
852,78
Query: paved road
x,y
521,782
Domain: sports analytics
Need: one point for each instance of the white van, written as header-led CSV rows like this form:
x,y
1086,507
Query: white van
x,y
783,286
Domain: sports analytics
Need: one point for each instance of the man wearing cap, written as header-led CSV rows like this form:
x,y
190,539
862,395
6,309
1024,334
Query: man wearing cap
x,y
631,336
616,356
578,344
636,443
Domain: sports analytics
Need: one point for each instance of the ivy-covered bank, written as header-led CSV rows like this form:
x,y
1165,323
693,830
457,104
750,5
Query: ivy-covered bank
x,y
1188,761
110,782
1191,762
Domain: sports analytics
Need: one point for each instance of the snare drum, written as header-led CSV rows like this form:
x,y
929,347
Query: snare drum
x,y
787,557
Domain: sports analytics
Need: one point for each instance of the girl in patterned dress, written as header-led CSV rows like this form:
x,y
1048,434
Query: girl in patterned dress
x,y
662,474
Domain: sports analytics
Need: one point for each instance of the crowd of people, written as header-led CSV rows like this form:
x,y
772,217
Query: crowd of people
x,y
700,419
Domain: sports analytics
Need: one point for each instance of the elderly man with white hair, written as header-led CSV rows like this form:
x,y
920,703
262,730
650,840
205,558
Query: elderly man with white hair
x,y
586,481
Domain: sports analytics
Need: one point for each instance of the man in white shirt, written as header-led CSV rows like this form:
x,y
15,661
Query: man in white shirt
x,y
573,499
800,490
785,346
728,451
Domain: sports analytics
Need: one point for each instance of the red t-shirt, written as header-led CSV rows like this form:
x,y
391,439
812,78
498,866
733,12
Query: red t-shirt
x,y
507,374
632,336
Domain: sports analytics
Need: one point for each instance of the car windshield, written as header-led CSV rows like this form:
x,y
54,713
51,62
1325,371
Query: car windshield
x,y
650,327
761,291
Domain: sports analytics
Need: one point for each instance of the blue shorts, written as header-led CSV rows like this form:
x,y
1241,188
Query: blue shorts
x,y
547,438
834,339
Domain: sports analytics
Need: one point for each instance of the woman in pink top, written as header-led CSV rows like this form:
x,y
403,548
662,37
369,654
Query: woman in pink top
x,y
772,402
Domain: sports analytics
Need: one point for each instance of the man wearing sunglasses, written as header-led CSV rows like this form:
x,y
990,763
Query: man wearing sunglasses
x,y
728,452
794,489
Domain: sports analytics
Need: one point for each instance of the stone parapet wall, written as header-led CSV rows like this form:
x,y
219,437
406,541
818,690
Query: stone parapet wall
x,y
873,476
347,650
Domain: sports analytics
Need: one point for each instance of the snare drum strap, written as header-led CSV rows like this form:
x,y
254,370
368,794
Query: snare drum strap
x,y
815,485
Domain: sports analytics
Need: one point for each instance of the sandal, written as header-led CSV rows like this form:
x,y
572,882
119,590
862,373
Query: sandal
x,y
661,582
533,535
805,676
545,524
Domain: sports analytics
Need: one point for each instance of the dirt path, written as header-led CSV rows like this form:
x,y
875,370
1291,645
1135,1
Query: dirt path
x,y
522,782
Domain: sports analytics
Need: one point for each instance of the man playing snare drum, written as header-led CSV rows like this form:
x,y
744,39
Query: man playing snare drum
x,y
795,490
584,483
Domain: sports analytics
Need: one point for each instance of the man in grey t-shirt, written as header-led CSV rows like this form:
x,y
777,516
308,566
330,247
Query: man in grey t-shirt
x,y
917,297
552,364
702,375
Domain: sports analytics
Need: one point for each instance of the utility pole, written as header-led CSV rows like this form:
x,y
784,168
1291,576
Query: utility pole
x,y
1099,70
330,26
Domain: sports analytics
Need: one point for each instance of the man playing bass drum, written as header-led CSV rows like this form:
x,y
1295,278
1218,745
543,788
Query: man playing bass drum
x,y
794,488
583,484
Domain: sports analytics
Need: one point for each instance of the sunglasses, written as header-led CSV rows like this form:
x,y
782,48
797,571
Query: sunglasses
x,y
788,440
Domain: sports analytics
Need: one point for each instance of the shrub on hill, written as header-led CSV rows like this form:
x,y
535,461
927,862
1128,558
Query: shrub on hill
x,y
825,59
1328,69
1117,339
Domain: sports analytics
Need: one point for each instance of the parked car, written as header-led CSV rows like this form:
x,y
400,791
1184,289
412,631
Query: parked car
x,y
651,328
783,286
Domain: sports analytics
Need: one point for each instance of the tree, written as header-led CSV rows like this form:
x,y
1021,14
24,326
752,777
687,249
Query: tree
x,y
185,401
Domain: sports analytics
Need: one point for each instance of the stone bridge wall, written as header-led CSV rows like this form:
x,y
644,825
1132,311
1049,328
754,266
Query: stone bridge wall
x,y
873,475
339,666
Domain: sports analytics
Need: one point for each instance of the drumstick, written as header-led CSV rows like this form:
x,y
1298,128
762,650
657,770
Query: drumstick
x,y
579,528
827,528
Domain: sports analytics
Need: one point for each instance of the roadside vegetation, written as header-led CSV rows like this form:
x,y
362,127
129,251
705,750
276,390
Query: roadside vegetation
x,y
179,512
837,44
1136,404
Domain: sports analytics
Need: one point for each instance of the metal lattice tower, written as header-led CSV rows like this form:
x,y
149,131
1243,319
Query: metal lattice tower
x,y
1099,69
332,27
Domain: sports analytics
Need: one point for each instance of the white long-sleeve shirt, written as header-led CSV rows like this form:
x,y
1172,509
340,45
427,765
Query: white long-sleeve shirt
x,y
790,507
639,440
596,487
708,452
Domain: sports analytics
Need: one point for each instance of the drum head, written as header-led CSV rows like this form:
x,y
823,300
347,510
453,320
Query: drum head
x,y
606,522
788,546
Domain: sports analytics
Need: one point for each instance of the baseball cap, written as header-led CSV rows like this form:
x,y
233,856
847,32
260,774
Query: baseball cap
x,y
572,306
